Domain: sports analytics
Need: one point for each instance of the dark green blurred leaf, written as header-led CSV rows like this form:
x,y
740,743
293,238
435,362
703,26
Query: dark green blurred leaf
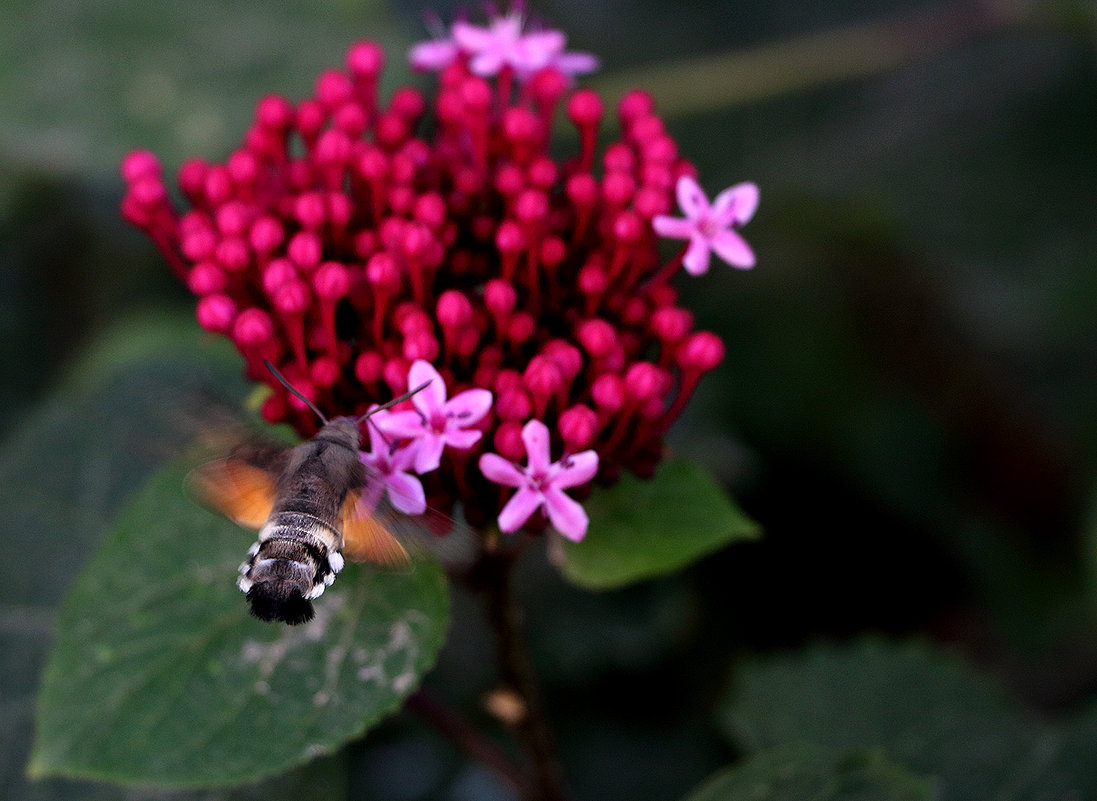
x,y
807,773
158,675
134,399
82,84
641,529
927,711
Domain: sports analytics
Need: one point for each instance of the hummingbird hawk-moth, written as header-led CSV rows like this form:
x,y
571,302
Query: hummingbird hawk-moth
x,y
304,501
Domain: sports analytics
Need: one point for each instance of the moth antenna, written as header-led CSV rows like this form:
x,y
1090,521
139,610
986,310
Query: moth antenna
x,y
390,443
304,400
395,401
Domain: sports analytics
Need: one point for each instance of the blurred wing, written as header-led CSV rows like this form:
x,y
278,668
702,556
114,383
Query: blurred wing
x,y
429,534
366,539
242,492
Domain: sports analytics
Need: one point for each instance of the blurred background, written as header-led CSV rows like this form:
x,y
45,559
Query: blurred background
x,y
908,405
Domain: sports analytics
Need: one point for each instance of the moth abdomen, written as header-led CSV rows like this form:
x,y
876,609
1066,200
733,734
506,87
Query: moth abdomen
x,y
295,558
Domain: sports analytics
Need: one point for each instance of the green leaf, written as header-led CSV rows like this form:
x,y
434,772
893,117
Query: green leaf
x,y
807,773
133,399
927,711
158,676
642,529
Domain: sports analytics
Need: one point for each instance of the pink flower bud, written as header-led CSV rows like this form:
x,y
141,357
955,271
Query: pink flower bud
x,y
140,164
333,89
277,273
366,59
542,173
420,344
499,297
508,440
383,272
453,309
585,108
633,105
617,188
643,380
206,278
578,427
274,111
325,371
566,356
233,254
543,377
192,178
331,281
304,249
198,244
292,297
429,209
671,323
368,366
608,392
701,351
218,186
309,209
216,313
597,336
521,327
252,328
243,168
514,404
531,206
582,190
266,234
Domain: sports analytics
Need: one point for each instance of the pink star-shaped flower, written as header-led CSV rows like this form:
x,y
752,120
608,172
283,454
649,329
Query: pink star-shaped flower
x,y
388,469
542,484
501,44
710,227
437,422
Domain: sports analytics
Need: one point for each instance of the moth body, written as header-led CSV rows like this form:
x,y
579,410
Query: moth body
x,y
304,502
297,553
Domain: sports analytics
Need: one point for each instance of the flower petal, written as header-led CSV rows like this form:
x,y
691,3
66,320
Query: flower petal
x,y
538,49
691,198
370,497
501,471
433,396
403,457
471,38
469,407
434,55
535,435
674,227
578,469
462,439
736,204
401,425
697,255
566,515
429,455
733,249
518,509
377,441
486,64
406,493
578,63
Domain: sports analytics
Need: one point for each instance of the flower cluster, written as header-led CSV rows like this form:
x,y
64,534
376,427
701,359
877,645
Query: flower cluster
x,y
361,245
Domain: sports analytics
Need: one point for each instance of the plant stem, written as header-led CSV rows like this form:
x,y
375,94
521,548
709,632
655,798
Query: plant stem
x,y
516,673
449,724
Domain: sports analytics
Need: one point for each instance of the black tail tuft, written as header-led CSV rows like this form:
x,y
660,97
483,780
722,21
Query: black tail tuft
x,y
277,600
